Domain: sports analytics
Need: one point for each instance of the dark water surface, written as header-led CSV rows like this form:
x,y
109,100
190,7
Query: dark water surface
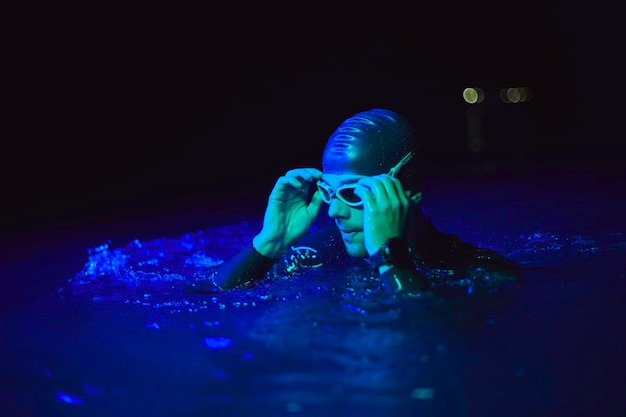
x,y
100,322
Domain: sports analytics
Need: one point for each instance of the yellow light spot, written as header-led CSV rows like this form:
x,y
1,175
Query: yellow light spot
x,y
470,95
473,95
513,95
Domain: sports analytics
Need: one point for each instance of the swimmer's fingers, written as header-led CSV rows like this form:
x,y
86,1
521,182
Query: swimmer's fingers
x,y
367,196
286,183
299,180
390,186
379,222
394,187
386,191
305,174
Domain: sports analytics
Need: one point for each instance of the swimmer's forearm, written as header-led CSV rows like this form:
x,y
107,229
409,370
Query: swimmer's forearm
x,y
246,266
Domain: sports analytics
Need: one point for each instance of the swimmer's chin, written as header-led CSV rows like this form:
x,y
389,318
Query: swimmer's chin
x,y
355,246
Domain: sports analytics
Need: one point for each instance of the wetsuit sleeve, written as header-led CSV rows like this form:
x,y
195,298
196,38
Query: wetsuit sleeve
x,y
246,266
396,279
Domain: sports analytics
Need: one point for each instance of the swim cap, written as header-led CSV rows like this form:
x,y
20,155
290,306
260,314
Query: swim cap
x,y
371,143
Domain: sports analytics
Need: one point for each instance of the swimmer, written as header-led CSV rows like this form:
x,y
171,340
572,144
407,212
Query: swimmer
x,y
371,184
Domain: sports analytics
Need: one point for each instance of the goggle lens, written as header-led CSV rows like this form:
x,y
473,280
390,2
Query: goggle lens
x,y
345,193
348,195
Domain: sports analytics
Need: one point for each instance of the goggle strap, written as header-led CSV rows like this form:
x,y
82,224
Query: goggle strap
x,y
405,160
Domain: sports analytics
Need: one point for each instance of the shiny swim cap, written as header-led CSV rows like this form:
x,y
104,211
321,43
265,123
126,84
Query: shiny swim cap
x,y
371,143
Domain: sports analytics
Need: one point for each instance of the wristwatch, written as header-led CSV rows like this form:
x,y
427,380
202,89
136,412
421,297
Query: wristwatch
x,y
394,252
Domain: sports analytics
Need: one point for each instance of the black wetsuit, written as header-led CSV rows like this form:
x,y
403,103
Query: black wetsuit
x,y
443,263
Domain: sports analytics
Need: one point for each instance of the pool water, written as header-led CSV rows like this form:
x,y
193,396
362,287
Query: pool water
x,y
101,323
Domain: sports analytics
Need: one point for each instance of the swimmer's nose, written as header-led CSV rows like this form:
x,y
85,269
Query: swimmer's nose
x,y
337,209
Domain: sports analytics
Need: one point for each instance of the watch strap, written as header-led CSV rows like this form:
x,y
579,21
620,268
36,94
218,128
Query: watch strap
x,y
394,252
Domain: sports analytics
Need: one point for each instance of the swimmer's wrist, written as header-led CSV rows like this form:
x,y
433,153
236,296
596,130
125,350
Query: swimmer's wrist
x,y
394,252
269,247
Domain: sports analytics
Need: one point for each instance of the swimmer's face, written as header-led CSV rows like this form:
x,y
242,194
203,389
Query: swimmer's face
x,y
348,217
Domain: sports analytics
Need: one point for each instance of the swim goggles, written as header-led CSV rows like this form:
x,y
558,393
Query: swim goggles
x,y
345,193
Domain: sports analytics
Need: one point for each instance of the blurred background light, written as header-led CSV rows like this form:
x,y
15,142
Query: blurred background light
x,y
516,94
513,95
473,95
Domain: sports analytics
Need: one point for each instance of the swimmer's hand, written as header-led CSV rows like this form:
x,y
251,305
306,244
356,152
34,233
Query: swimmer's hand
x,y
385,208
291,210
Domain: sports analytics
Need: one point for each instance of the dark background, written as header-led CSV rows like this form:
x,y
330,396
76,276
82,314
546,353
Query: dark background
x,y
124,112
